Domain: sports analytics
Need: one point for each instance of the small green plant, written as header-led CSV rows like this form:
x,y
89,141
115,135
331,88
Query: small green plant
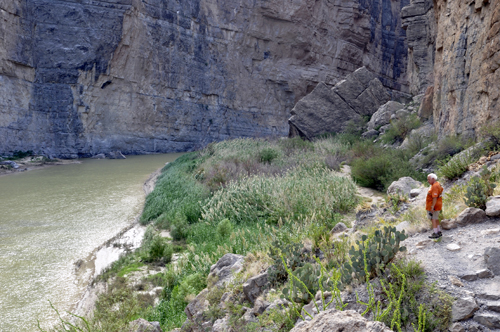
x,y
476,195
179,227
224,228
267,155
400,128
395,200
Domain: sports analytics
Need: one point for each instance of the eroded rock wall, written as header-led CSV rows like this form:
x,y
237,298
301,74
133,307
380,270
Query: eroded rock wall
x,y
92,76
454,55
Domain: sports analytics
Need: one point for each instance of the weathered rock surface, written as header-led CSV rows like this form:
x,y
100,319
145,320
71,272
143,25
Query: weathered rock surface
x,y
253,287
492,260
328,109
336,321
383,115
491,320
493,207
457,327
463,308
222,272
161,76
403,186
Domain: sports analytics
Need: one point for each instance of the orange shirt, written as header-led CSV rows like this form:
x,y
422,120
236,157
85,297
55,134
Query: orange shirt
x,y
435,190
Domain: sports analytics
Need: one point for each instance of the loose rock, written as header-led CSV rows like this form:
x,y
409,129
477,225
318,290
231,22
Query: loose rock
x,y
492,260
488,319
403,186
463,308
457,327
493,207
253,287
453,247
142,325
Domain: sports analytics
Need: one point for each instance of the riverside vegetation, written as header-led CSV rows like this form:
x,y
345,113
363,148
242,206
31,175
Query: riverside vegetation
x,y
267,198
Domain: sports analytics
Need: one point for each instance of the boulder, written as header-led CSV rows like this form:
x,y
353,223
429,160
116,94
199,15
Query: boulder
x,y
338,228
484,273
346,321
493,207
99,156
116,155
383,115
142,325
370,133
492,305
490,320
448,224
222,271
470,216
463,308
329,110
492,260
253,286
403,186
220,325
10,163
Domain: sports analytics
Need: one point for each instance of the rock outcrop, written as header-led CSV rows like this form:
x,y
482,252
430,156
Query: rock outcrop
x,y
327,109
154,76
453,56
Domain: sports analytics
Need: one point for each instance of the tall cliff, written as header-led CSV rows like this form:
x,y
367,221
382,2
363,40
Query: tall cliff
x,y
80,77
454,57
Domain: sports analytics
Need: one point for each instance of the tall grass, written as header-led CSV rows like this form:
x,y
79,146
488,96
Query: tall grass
x,y
300,192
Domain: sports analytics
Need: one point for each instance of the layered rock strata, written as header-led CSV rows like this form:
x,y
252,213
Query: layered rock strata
x,y
90,76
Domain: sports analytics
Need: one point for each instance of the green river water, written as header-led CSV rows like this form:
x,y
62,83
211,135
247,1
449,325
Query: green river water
x,y
51,218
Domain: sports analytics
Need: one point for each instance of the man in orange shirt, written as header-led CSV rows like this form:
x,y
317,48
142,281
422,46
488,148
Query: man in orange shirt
x,y
434,204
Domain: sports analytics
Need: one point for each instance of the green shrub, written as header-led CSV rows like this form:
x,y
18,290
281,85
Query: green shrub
x,y
381,170
292,254
400,128
224,228
179,228
267,155
478,189
455,166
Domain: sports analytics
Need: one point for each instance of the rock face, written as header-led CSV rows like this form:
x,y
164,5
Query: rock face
x,y
336,321
453,48
158,76
331,109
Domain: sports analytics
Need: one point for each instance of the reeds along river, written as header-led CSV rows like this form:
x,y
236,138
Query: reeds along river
x,y
51,218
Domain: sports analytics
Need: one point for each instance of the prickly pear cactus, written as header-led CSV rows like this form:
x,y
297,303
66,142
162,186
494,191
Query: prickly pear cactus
x,y
309,275
377,251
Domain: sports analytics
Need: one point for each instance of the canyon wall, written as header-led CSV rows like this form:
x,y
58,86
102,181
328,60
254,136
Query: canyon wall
x,y
454,57
80,77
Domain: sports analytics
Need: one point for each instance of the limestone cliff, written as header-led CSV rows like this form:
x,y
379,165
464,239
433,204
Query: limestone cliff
x,y
79,77
454,55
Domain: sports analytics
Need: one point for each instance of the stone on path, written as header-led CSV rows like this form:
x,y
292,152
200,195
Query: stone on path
x,y
453,247
492,305
455,281
484,273
489,289
492,260
463,308
490,231
493,207
468,276
470,216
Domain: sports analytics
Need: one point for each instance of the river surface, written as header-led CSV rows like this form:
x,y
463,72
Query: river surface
x,y
53,217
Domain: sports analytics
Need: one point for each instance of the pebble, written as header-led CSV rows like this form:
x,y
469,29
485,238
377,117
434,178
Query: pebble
x,y
453,247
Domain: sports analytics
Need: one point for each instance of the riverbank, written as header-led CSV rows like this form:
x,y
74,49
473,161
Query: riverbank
x,y
33,163
127,240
